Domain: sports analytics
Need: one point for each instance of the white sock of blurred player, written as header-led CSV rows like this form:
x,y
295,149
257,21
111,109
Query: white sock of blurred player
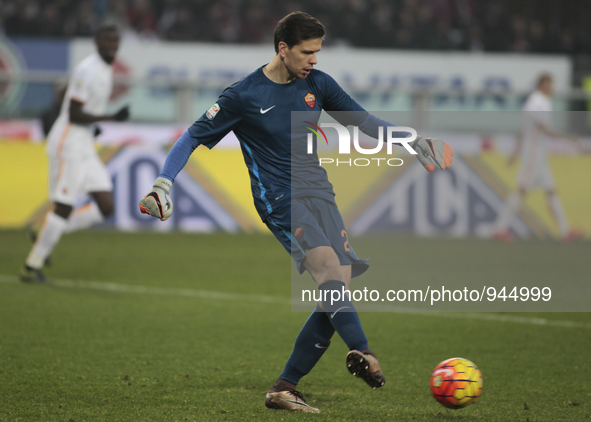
x,y
55,226
559,215
51,232
509,210
84,217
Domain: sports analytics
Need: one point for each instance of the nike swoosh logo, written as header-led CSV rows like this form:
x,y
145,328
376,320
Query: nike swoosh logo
x,y
335,312
264,111
318,346
447,372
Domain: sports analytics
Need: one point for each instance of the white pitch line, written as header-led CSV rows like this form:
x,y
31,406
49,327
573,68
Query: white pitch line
x,y
163,291
514,319
238,297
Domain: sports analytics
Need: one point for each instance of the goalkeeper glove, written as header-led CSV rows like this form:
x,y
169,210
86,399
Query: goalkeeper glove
x,y
431,151
157,203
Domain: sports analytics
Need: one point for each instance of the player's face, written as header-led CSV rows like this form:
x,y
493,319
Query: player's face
x,y
301,58
107,44
547,87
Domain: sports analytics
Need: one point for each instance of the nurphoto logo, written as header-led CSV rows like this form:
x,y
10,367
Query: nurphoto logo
x,y
400,135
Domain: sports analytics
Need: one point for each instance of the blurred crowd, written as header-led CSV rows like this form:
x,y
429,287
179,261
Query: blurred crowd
x,y
537,26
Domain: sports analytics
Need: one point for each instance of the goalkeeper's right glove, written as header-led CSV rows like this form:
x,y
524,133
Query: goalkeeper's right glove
x,y
431,151
157,202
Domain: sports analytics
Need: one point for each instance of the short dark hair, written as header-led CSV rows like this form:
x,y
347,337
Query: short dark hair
x,y
109,27
297,27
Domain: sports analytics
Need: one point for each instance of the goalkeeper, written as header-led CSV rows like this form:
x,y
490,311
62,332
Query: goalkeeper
x,y
258,109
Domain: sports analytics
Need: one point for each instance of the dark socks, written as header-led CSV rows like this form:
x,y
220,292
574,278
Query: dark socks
x,y
312,342
342,314
314,338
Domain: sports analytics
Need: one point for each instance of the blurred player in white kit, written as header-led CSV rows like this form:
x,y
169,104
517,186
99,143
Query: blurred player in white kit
x,y
535,170
74,166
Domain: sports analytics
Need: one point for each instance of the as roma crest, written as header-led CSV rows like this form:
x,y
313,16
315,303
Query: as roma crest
x,y
310,100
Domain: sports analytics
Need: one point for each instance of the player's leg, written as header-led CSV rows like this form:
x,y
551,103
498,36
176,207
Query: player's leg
x,y
314,337
361,361
555,205
508,212
510,209
312,341
526,180
92,213
49,235
324,264
97,183
310,345
557,211
566,233
64,184
105,202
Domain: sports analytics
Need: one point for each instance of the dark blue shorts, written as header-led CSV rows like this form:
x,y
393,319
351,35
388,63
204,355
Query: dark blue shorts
x,y
312,222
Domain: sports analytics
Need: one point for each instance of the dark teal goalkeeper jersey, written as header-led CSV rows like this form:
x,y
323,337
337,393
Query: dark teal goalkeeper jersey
x,y
259,112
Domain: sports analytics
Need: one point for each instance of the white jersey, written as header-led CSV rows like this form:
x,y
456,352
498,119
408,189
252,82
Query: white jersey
x,y
535,170
91,84
537,110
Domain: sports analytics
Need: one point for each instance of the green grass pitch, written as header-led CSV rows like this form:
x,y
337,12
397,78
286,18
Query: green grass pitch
x,y
176,327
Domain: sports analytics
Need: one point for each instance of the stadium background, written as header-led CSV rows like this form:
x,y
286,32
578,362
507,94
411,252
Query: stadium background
x,y
195,323
458,68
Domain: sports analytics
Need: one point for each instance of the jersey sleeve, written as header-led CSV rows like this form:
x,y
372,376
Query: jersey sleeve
x,y
350,112
80,85
224,116
217,122
336,99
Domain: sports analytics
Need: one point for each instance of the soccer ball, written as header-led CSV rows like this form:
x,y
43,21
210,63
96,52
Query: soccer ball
x,y
456,382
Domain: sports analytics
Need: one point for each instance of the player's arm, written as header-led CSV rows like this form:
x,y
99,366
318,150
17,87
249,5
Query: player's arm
x,y
546,130
79,116
217,122
540,119
80,93
430,152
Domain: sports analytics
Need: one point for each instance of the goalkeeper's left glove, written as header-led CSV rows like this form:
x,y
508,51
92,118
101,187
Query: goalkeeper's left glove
x,y
431,151
157,203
